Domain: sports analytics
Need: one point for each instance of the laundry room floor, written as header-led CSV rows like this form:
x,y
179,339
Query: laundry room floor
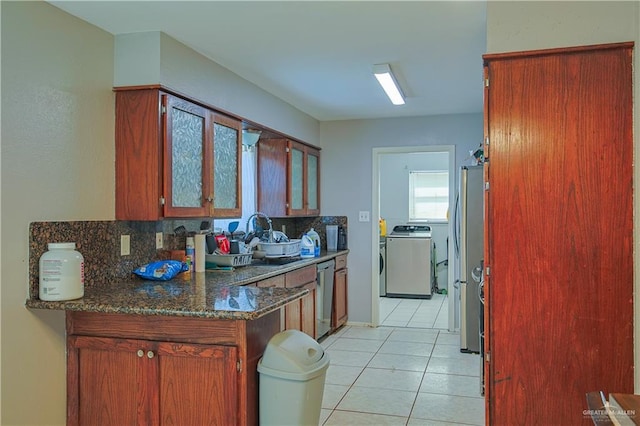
x,y
408,371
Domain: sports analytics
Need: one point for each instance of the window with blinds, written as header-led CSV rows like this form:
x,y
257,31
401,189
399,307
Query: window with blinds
x,y
428,195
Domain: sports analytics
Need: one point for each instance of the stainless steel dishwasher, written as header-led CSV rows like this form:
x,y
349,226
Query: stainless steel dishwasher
x,y
324,297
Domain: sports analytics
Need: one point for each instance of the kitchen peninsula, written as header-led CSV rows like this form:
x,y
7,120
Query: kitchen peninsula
x,y
151,352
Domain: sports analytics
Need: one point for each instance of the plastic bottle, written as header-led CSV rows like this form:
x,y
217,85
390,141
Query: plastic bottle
x,y
61,273
191,253
306,247
316,241
342,238
383,227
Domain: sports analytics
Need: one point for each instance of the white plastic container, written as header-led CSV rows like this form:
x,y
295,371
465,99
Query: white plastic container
x,y
200,252
289,249
292,374
332,237
61,273
307,248
316,241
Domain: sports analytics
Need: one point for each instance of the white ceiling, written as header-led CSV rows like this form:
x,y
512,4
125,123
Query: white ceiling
x,y
318,55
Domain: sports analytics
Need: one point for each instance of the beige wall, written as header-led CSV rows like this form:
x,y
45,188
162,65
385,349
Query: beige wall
x,y
154,57
528,25
57,164
57,158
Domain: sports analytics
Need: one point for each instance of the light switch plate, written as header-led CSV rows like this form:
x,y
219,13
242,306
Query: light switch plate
x,y
125,245
363,216
159,243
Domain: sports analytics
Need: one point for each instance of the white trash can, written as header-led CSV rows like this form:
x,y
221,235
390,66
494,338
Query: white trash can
x,y
292,374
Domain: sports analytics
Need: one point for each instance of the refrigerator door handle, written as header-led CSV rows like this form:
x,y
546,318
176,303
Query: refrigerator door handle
x,y
456,225
463,224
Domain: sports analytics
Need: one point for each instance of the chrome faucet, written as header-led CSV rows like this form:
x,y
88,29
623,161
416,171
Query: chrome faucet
x,y
260,214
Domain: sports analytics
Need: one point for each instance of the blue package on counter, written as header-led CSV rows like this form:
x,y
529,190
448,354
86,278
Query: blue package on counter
x,y
161,270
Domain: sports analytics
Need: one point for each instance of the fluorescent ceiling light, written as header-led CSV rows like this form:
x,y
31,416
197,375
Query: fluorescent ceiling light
x,y
388,82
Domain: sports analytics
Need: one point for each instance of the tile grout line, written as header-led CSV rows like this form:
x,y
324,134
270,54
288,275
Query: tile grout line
x,y
386,339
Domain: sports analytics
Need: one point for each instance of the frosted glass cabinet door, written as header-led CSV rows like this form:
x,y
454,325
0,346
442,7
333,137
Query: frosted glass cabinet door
x,y
304,199
227,167
312,182
185,179
297,176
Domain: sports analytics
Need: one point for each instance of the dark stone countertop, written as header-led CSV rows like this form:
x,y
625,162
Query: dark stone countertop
x,y
215,294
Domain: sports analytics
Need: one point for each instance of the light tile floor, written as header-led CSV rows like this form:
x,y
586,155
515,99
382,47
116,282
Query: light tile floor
x,y
408,371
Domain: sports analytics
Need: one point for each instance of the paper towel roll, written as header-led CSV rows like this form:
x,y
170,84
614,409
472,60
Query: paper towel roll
x,y
201,252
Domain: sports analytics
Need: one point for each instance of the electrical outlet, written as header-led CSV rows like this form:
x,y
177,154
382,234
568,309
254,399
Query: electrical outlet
x,y
363,216
159,242
125,245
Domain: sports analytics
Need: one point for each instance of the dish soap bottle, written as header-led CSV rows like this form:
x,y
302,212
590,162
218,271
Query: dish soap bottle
x,y
316,241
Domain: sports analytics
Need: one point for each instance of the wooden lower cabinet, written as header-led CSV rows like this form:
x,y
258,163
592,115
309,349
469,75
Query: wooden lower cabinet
x,y
151,370
301,315
308,311
340,313
127,381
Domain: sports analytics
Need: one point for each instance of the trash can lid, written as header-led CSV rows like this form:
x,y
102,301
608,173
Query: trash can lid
x,y
293,351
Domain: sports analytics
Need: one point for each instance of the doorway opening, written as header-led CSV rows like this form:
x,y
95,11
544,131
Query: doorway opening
x,y
392,201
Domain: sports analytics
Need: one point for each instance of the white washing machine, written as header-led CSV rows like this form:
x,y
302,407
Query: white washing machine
x,y
383,266
409,262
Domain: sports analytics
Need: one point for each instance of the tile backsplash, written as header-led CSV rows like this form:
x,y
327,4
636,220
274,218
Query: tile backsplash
x,y
99,243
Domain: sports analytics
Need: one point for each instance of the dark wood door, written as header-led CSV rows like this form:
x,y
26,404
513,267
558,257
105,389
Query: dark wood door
x,y
559,212
105,381
272,177
308,311
198,384
139,169
340,298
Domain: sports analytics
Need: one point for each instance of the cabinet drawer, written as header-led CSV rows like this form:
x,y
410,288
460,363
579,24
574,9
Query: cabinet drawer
x,y
277,281
341,261
301,276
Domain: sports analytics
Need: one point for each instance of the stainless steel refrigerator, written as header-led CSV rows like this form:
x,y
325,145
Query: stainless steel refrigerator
x,y
469,248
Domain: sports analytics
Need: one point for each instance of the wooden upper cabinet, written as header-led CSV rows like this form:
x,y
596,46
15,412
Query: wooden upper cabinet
x,y
175,158
272,177
187,162
227,166
288,178
139,155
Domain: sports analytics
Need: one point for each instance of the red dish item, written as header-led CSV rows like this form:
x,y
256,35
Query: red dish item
x,y
223,244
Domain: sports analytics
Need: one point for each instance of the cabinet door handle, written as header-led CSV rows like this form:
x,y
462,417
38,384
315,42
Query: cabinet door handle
x,y
150,354
209,199
140,353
